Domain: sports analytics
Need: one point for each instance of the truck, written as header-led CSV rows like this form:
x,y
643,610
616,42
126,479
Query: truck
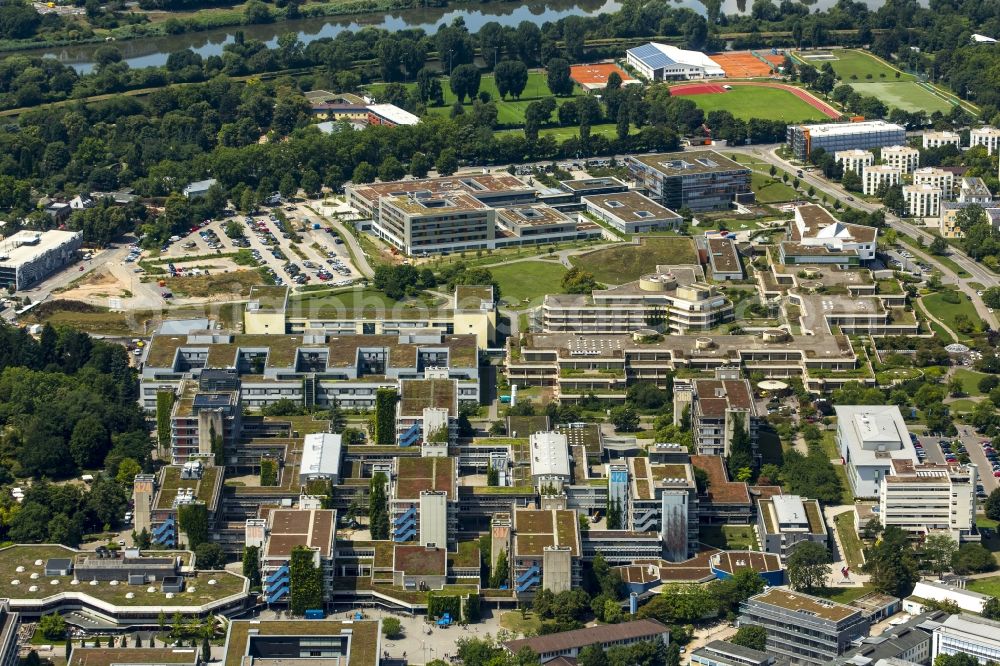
x,y
315,614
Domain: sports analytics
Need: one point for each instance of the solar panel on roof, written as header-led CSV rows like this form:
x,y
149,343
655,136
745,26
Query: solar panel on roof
x,y
651,56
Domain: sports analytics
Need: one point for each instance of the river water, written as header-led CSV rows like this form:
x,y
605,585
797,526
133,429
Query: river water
x,y
149,52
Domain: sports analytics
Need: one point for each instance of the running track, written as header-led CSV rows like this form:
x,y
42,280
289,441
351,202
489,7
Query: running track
x,y
710,88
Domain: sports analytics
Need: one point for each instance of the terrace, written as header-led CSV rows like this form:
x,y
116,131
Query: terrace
x,y
420,394
415,475
205,489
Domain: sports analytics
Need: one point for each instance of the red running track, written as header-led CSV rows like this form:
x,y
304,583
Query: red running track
x,y
714,88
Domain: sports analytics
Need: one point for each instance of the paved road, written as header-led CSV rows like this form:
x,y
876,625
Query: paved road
x,y
328,214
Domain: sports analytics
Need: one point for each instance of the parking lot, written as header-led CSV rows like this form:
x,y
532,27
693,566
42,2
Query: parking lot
x,y
934,452
295,252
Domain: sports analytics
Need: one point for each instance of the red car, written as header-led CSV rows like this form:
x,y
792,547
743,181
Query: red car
x,y
997,474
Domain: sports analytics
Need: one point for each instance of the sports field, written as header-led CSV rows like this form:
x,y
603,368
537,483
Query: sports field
x,y
850,65
755,101
906,95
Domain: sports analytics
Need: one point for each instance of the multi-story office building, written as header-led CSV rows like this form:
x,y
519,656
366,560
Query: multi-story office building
x,y
937,177
204,419
815,236
699,181
940,139
834,137
985,136
904,158
968,634
875,176
804,629
785,521
562,648
869,439
549,460
724,653
27,257
663,498
899,645
306,642
493,190
286,530
159,499
423,501
309,369
9,623
716,408
674,299
922,200
724,501
929,499
631,212
530,225
721,256
431,224
855,160
546,550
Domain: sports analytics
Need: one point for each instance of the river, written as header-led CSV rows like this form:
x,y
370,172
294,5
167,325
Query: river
x,y
150,52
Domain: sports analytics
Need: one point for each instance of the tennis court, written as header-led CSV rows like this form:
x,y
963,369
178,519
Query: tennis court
x,y
746,65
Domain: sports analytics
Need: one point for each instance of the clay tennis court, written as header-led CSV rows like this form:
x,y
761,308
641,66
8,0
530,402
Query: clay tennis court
x,y
595,77
717,88
745,65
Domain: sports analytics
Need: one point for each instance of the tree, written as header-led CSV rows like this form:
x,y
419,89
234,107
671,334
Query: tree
x,y
891,564
209,556
492,476
938,552
558,78
808,566
511,77
992,505
251,565
447,162
991,609
577,281
464,82
305,582
751,636
378,508
938,246
364,173
625,419
53,627
593,655
392,627
500,571
972,558
740,448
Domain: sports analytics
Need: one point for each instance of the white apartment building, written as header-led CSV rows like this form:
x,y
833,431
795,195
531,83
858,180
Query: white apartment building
x,y
855,160
922,200
872,177
985,136
930,499
942,179
938,139
904,158
975,636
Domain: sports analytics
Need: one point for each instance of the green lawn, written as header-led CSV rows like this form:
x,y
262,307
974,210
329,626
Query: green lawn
x,y
849,539
990,585
728,537
857,64
961,406
528,280
509,111
970,380
906,95
947,312
771,190
843,595
746,102
625,263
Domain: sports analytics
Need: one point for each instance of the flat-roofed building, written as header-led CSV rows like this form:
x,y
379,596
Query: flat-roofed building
x,y
265,311
723,258
834,137
9,623
546,551
436,223
968,634
902,644
549,459
724,653
320,458
875,176
200,418
567,644
928,498
940,139
803,628
716,407
304,642
27,257
928,592
664,62
391,115
974,191
922,200
631,212
855,160
985,136
663,498
700,180
135,656
785,521
423,501
817,237
674,299
287,530
724,501
869,438
942,179
904,158
538,223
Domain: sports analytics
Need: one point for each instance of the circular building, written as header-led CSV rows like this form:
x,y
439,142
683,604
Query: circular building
x,y
726,563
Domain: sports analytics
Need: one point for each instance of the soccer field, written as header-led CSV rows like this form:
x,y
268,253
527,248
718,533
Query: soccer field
x,y
851,66
746,102
906,95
